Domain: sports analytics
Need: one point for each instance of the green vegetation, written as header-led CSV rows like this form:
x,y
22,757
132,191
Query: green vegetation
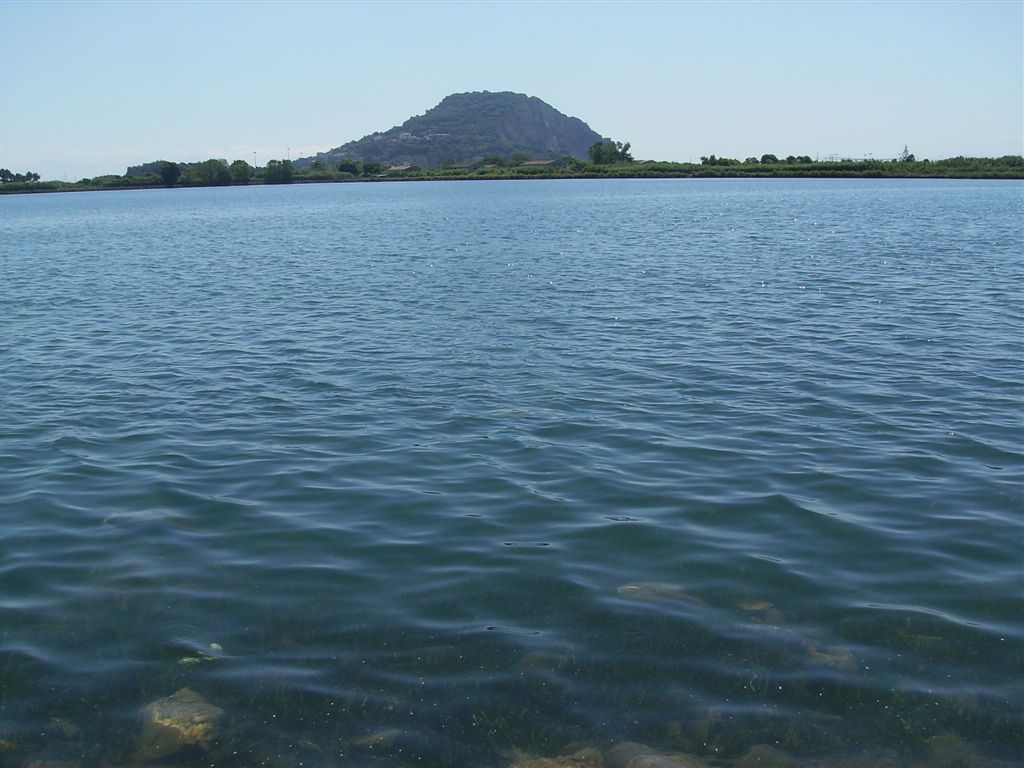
x,y
209,173
278,172
609,152
169,173
241,172
7,177
218,172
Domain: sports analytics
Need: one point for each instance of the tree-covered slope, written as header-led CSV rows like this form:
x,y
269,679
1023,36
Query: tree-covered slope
x,y
468,127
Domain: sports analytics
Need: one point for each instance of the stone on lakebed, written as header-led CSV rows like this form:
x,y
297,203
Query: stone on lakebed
x,y
584,758
631,754
176,722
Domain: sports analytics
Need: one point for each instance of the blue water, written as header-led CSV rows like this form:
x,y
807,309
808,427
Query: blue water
x,y
497,466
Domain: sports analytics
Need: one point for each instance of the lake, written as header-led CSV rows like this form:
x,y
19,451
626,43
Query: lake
x,y
475,473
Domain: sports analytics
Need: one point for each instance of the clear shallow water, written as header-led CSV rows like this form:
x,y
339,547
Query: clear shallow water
x,y
704,465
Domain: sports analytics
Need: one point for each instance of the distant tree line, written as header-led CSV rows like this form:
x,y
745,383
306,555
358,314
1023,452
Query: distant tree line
x,y
904,157
608,160
212,173
6,177
766,159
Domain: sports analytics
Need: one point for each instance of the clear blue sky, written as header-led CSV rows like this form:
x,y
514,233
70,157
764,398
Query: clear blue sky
x,y
91,87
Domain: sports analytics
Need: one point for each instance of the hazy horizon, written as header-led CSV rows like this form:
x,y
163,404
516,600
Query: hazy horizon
x,y
91,88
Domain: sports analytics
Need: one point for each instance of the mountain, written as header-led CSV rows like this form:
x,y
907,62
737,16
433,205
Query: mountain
x,y
468,127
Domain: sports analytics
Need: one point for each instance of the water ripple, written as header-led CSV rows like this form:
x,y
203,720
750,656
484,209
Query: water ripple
x,y
471,468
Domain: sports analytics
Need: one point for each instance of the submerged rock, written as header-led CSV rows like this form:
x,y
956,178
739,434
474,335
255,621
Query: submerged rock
x,y
666,761
630,754
584,758
837,658
202,655
176,722
407,746
386,738
765,756
620,755
656,591
753,605
61,726
950,750
760,610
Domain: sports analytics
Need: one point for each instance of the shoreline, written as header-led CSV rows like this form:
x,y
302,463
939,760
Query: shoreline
x,y
43,187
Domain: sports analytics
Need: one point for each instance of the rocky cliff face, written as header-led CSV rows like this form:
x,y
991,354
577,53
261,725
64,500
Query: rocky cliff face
x,y
468,127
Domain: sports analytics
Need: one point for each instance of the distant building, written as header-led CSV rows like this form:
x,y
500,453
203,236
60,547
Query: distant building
x,y
406,136
537,163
